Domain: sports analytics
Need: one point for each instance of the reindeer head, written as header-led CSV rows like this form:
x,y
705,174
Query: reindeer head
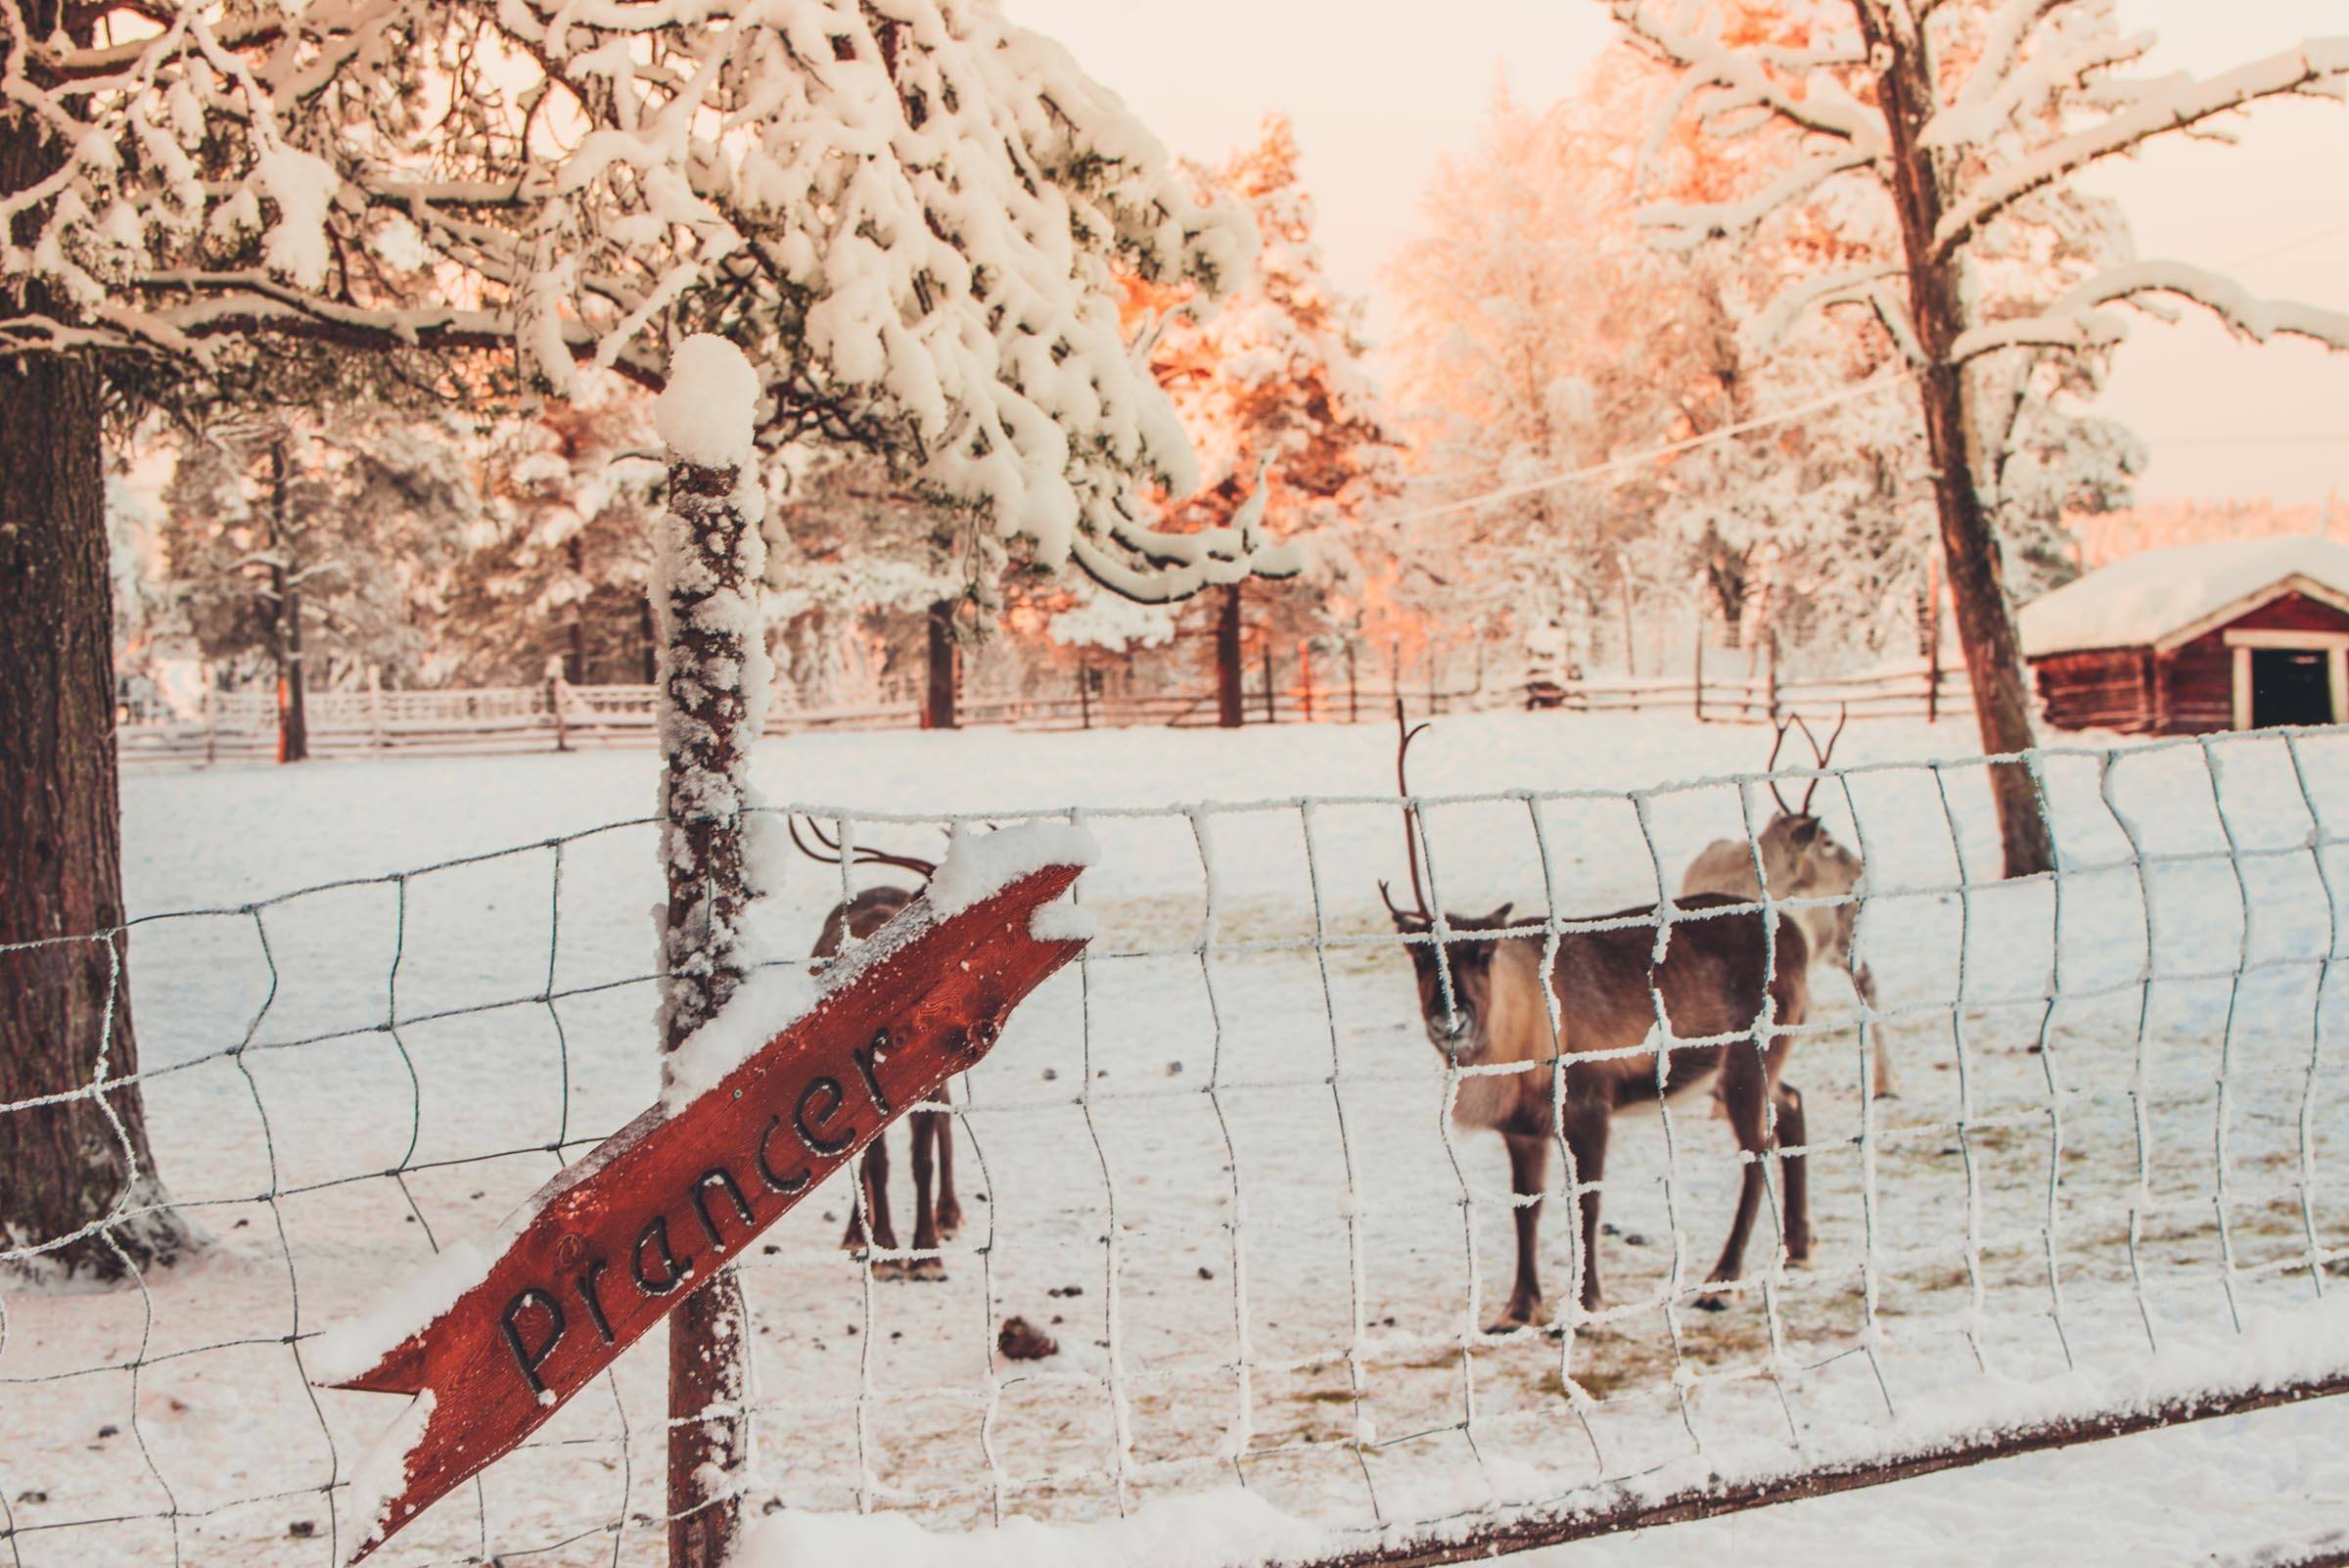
x,y
1799,855
1455,989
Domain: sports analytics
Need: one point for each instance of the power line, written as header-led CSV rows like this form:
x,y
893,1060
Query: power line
x,y
2288,245
1510,492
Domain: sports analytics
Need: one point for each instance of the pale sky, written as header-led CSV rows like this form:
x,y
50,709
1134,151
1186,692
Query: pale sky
x,y
1379,88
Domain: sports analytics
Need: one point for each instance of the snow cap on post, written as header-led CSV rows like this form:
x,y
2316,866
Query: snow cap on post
x,y
709,409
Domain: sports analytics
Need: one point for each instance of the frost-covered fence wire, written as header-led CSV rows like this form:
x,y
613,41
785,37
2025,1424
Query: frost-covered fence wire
x,y
1212,1165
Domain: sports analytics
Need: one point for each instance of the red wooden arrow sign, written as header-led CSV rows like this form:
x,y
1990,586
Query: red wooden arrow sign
x,y
612,1245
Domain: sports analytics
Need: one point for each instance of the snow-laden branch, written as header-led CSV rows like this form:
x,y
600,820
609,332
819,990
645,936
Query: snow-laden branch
x,y
2076,322
1794,301
912,218
1740,81
2319,68
2076,67
1685,227
2002,43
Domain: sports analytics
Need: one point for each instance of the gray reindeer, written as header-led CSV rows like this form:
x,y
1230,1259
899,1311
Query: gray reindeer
x,y
1801,859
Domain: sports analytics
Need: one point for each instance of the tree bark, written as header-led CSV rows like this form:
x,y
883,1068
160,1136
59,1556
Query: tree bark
x,y
702,965
939,691
285,605
1229,712
1968,537
65,1006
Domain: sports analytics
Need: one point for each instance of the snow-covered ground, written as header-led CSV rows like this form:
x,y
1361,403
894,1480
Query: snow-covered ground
x,y
1213,1162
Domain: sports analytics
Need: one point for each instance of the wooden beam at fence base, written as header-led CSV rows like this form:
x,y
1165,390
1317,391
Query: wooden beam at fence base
x,y
1528,1532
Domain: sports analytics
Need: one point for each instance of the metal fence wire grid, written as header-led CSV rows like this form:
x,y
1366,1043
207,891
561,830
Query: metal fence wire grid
x,y
1236,1171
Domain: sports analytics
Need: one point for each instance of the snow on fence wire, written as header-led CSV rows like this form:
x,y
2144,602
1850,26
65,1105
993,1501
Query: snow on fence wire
x,y
1217,1165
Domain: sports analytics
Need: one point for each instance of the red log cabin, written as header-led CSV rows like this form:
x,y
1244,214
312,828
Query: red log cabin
x,y
2238,634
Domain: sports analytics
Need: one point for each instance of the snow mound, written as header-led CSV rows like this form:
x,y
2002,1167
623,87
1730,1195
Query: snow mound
x,y
978,864
707,411
2154,597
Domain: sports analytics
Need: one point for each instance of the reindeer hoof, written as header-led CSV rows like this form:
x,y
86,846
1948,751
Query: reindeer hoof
x,y
1712,1301
949,1222
928,1269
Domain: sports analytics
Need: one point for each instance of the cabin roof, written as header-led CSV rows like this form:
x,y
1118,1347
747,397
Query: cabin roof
x,y
2162,598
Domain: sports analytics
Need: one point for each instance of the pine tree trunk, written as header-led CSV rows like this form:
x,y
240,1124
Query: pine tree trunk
x,y
937,699
293,710
65,1009
574,659
1229,712
1968,538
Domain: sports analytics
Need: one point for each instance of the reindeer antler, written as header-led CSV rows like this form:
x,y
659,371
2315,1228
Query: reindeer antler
x,y
1782,725
925,869
1843,716
1410,838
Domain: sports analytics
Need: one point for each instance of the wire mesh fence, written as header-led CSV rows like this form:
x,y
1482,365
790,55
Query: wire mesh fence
x,y
1238,1176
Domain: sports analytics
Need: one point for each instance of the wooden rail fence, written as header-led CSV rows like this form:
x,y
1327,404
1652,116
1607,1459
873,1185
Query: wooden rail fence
x,y
240,727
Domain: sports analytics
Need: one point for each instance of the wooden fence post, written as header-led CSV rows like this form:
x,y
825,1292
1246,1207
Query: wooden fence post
x,y
1304,677
1271,715
1084,692
709,556
1699,680
376,738
1354,690
1770,671
554,703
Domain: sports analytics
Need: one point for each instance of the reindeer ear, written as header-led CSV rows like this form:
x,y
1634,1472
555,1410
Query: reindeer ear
x,y
1805,830
1500,915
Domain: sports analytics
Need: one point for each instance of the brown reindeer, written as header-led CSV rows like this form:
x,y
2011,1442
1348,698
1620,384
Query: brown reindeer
x,y
1801,859
931,1133
1718,982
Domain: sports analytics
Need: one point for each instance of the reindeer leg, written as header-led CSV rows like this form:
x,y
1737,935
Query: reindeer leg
x,y
950,1209
860,1198
1864,983
928,1265
1742,1089
1795,1184
1586,1127
1529,1168
876,1184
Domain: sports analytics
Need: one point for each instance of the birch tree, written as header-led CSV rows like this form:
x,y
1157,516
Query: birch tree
x,y
908,217
1965,124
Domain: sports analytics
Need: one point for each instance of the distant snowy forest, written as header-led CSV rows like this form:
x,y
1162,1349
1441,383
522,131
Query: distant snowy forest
x,y
1645,376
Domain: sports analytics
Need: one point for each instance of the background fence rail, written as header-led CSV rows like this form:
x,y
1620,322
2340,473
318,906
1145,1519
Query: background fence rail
x,y
240,727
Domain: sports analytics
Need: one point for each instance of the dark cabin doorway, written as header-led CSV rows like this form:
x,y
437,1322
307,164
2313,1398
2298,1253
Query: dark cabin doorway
x,y
2291,686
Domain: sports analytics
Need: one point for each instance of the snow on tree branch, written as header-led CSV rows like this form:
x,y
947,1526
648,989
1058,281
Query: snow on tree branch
x,y
2075,322
1686,227
1725,80
910,217
2319,68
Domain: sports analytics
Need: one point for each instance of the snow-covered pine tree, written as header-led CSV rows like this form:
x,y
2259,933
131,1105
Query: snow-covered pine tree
x,y
1269,385
910,218
1963,125
557,562
311,547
